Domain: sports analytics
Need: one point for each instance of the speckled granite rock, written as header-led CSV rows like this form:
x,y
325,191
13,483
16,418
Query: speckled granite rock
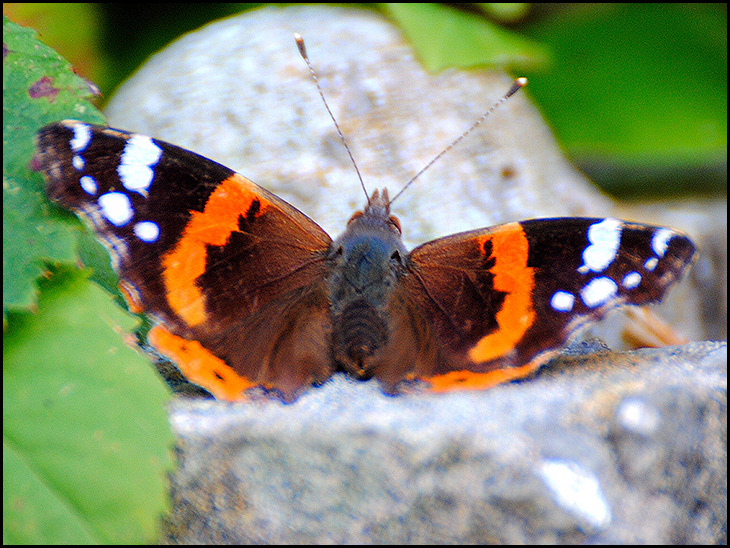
x,y
602,448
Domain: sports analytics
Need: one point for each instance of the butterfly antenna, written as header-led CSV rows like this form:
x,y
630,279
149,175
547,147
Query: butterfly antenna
x,y
516,86
303,53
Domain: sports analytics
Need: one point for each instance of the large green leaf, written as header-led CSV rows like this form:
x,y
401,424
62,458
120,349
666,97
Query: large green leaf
x,y
86,443
38,88
639,91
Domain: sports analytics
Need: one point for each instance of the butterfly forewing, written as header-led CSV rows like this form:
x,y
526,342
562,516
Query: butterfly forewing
x,y
178,227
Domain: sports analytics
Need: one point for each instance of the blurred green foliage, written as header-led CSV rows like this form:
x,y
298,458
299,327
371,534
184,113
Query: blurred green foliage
x,y
636,93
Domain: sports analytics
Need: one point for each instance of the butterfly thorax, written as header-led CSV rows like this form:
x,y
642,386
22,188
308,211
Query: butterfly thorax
x,y
367,262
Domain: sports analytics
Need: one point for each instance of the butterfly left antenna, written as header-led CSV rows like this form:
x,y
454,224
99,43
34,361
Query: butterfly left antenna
x,y
303,53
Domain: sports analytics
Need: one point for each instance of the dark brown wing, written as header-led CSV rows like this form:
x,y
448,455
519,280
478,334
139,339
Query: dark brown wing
x,y
234,273
500,301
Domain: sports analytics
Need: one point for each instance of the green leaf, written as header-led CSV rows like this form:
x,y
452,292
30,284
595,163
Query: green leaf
x,y
29,238
444,37
38,88
86,443
71,28
638,91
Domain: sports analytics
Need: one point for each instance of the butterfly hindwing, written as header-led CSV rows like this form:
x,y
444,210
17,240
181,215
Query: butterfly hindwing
x,y
177,225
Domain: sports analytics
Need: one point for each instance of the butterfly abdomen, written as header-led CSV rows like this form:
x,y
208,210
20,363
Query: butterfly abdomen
x,y
359,332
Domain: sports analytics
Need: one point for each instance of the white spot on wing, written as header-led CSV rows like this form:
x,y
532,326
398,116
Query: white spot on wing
x,y
135,168
116,208
81,138
660,241
605,238
88,184
147,231
631,280
598,291
562,301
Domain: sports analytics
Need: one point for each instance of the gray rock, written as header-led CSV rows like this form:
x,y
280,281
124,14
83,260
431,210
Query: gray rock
x,y
237,91
599,448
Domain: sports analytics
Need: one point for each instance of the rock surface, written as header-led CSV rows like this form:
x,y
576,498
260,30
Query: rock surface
x,y
237,91
607,448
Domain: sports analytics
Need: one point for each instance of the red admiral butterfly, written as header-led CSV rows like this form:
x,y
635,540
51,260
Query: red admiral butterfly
x,y
249,292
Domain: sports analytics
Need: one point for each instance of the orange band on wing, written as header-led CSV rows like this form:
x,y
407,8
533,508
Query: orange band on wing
x,y
510,250
200,366
213,226
466,380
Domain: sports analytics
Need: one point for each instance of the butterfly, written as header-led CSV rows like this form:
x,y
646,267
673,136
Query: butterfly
x,y
250,293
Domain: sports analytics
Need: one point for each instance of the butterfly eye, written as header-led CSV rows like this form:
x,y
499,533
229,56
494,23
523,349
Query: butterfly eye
x,y
355,215
393,220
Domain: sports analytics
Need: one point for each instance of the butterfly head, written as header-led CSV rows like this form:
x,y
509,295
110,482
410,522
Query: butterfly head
x,y
377,213
373,228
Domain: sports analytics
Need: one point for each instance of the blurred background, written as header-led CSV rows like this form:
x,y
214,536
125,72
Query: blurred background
x,y
650,79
